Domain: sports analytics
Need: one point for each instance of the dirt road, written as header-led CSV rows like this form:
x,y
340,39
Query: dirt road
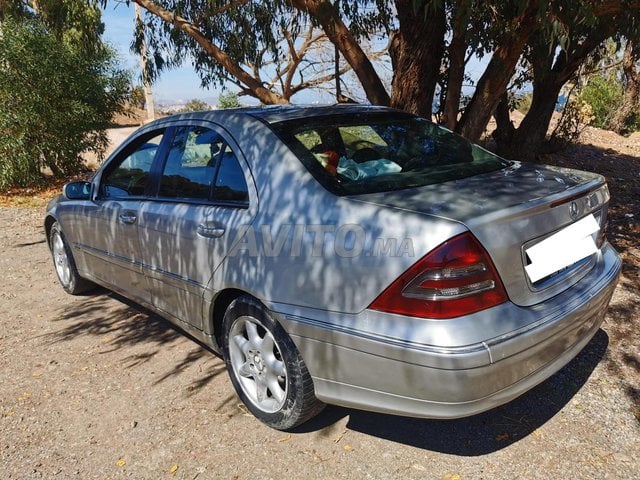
x,y
96,387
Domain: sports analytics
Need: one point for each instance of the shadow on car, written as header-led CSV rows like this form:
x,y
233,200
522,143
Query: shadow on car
x,y
483,433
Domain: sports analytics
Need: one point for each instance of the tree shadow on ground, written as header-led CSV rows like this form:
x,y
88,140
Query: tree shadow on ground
x,y
623,178
29,244
483,433
126,324
623,359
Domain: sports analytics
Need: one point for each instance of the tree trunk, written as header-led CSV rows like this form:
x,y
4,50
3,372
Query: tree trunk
x,y
549,76
457,52
631,96
505,129
528,138
50,161
326,14
416,53
498,73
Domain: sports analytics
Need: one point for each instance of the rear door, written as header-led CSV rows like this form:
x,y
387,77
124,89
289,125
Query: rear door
x,y
203,198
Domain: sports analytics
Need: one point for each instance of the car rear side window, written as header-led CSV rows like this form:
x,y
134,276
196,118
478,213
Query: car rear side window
x,y
191,163
129,175
369,153
230,183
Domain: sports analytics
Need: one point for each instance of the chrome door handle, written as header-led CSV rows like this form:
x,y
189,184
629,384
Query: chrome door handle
x,y
128,218
206,231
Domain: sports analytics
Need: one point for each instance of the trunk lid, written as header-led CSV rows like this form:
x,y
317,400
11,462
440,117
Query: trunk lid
x,y
511,210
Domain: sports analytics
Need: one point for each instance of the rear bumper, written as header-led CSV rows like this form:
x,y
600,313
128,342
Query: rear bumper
x,y
393,364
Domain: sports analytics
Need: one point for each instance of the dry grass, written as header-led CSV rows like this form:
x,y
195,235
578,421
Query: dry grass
x,y
36,197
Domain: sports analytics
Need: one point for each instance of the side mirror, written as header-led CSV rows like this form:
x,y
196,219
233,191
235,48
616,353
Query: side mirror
x,y
77,190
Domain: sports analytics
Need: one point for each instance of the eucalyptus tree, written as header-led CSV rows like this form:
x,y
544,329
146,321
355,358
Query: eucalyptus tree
x,y
74,21
268,49
430,42
629,111
565,40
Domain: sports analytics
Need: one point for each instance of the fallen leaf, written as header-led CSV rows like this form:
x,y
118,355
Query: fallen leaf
x,y
106,339
502,437
121,463
452,476
24,396
340,437
285,439
36,374
537,434
173,469
348,447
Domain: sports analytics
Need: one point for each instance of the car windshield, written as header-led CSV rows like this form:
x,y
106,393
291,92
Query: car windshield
x,y
357,154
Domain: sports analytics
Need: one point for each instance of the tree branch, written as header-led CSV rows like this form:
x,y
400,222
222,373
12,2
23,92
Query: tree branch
x,y
328,17
261,93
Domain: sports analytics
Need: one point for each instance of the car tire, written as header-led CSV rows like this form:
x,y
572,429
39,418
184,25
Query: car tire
x,y
64,264
266,368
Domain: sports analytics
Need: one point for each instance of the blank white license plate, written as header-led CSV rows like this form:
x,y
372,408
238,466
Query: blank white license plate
x,y
562,249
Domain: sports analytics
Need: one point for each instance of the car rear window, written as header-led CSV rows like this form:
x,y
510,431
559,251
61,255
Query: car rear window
x,y
369,153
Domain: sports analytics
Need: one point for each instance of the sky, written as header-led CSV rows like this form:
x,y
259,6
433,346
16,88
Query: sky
x,y
173,86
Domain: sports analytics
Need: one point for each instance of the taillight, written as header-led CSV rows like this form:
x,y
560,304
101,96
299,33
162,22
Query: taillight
x,y
457,278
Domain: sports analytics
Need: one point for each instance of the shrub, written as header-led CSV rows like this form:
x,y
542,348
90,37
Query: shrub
x,y
56,101
195,105
228,100
137,97
576,116
604,96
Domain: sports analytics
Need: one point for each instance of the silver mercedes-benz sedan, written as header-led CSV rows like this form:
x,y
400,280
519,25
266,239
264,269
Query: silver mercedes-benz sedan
x,y
350,255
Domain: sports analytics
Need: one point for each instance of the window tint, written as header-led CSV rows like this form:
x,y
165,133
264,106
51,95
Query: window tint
x,y
130,175
230,183
354,154
191,163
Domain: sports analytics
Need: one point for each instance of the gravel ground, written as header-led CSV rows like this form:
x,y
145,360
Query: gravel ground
x,y
97,387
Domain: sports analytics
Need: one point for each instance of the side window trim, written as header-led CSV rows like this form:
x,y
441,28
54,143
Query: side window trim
x,y
159,162
218,162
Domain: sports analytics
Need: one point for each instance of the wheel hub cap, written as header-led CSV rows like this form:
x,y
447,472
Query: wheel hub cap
x,y
257,364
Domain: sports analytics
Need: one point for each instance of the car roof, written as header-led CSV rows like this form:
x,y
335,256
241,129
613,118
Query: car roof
x,y
279,113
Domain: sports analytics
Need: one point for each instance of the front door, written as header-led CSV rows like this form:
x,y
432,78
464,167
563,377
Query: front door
x,y
111,246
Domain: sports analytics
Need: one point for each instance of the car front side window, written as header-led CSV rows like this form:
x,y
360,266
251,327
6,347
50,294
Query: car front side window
x,y
129,175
